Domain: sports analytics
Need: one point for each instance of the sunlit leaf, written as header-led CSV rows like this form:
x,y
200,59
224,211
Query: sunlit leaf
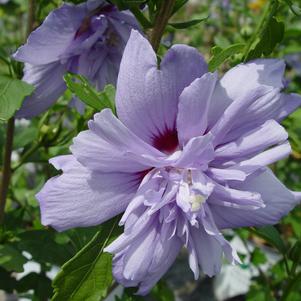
x,y
88,275
81,87
221,55
187,24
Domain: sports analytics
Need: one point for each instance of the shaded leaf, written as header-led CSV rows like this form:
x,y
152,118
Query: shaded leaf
x,y
162,292
7,283
295,252
271,235
11,258
129,295
42,247
12,94
270,37
126,4
178,5
293,285
25,135
37,282
140,17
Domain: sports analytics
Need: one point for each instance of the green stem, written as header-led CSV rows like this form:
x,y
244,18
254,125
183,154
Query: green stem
x,y
269,13
294,269
26,156
6,172
286,265
160,23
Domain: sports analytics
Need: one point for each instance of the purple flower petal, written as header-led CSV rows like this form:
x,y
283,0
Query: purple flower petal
x,y
277,198
193,107
197,149
87,39
197,153
47,43
147,97
259,139
235,111
242,80
108,140
49,86
80,198
288,103
263,159
210,258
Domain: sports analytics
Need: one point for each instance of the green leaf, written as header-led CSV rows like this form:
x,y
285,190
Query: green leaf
x,y
78,236
25,135
140,17
12,94
37,282
220,56
216,50
258,257
8,282
183,25
256,294
134,2
178,5
127,4
271,235
120,4
162,292
294,8
129,295
43,248
270,37
293,285
107,97
81,87
11,259
295,252
88,275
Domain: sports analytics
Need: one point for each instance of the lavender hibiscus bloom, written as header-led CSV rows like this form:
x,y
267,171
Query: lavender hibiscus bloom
x,y
187,158
88,39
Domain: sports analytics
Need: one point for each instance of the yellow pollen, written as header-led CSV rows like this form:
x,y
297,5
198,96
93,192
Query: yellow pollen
x,y
196,201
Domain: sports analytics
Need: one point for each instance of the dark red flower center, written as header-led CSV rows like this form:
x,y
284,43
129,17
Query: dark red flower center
x,y
168,142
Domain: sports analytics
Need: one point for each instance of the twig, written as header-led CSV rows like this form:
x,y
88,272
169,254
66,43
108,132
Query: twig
x,y
6,172
161,22
31,17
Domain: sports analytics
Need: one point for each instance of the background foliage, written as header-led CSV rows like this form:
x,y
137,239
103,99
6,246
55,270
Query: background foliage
x,y
226,32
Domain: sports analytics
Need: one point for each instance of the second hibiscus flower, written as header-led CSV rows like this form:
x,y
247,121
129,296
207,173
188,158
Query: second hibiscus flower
x,y
87,39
